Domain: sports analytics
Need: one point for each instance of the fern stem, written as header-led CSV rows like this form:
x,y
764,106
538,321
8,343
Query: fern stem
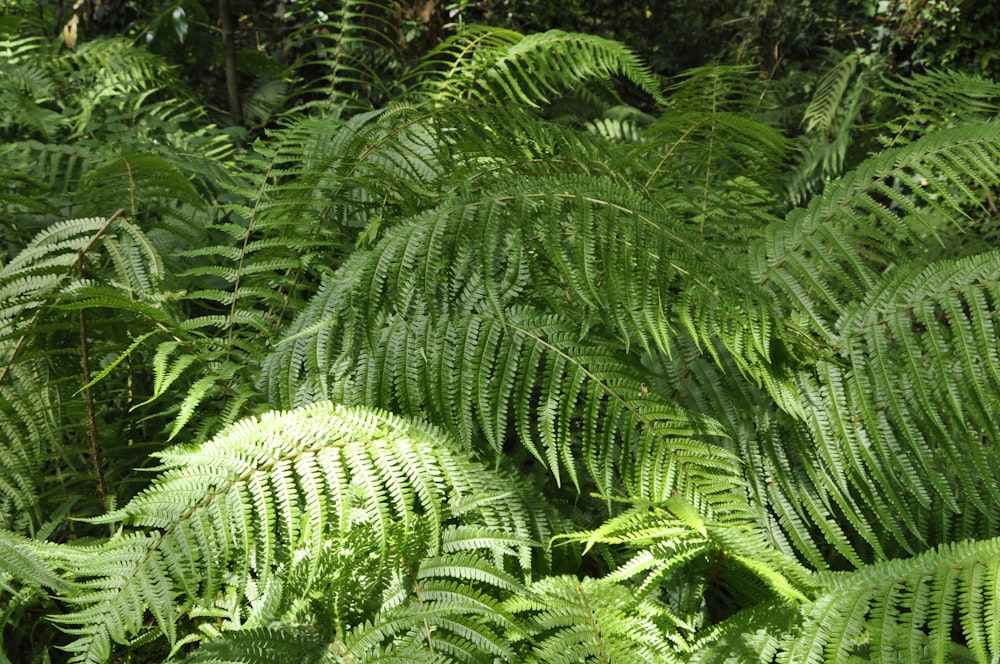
x,y
602,650
97,236
38,311
95,446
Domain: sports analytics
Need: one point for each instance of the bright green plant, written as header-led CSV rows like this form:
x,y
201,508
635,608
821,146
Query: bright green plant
x,y
642,412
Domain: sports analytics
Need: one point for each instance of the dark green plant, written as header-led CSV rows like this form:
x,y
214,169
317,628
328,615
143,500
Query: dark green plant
x,y
644,412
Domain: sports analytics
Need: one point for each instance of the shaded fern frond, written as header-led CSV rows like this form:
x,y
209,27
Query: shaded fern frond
x,y
494,64
923,460
827,98
262,645
936,100
31,420
896,448
357,56
830,123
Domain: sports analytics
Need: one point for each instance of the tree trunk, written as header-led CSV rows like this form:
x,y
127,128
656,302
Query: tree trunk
x,y
229,50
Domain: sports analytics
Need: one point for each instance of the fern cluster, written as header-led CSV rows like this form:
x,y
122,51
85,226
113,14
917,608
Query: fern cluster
x,y
481,364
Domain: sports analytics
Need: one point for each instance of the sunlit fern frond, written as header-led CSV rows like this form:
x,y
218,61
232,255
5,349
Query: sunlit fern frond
x,y
474,350
224,514
886,210
939,606
569,620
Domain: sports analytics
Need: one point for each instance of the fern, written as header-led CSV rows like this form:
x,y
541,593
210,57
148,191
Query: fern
x,y
905,610
492,63
573,620
222,514
830,123
647,412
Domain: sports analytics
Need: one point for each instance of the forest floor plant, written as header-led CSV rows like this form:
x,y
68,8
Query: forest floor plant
x,y
502,370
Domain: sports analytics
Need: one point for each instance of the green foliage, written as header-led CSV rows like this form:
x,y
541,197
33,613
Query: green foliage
x,y
647,409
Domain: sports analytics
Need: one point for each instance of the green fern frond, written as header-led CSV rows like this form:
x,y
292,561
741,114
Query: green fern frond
x,y
231,507
829,94
893,205
674,543
498,64
921,327
357,55
154,189
754,635
906,610
936,100
488,366
830,121
591,620
874,481
263,645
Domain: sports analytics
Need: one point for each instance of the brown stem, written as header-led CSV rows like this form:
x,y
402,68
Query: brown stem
x,y
95,445
229,51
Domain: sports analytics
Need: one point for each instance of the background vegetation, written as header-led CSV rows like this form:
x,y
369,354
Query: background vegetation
x,y
447,332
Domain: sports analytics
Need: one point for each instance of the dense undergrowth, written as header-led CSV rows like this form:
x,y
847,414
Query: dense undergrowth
x,y
479,363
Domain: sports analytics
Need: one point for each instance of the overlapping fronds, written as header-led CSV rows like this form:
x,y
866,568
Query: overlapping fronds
x,y
887,210
31,414
939,606
669,543
904,395
908,419
770,436
411,607
357,59
494,64
223,515
830,125
937,99
569,620
708,160
475,351
27,89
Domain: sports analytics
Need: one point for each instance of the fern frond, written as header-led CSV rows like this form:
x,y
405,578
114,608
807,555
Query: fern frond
x,y
830,121
591,620
358,58
493,64
874,482
483,369
893,205
923,455
936,100
231,506
31,414
906,610
827,98
754,635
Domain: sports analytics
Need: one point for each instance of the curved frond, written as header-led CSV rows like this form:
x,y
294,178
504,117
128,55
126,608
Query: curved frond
x,y
499,64
907,610
221,515
569,620
889,208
